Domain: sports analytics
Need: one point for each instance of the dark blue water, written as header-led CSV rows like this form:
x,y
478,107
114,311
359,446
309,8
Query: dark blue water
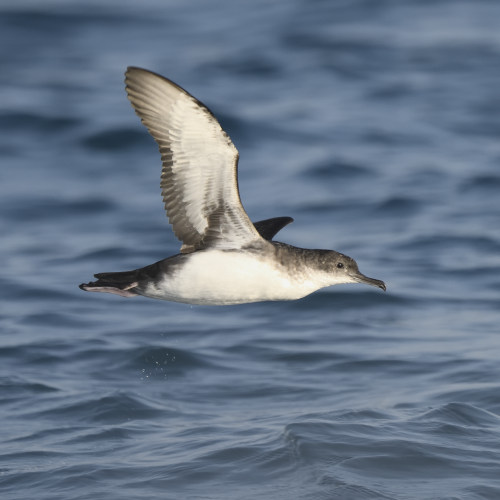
x,y
376,125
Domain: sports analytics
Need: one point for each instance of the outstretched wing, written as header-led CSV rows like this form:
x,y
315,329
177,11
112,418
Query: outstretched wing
x,y
199,177
268,228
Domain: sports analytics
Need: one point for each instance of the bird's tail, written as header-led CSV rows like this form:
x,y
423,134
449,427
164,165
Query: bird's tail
x,y
122,283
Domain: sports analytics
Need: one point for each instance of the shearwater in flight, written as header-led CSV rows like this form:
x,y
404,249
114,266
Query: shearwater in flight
x,y
224,258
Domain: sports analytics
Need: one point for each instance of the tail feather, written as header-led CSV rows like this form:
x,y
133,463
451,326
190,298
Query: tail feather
x,y
118,277
121,283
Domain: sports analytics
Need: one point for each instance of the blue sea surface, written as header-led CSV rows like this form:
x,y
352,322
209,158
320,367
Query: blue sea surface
x,y
376,125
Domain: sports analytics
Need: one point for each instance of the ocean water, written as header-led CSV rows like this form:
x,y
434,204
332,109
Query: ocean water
x,y
376,125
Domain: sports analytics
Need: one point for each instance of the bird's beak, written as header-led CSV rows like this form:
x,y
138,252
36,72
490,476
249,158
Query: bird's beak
x,y
361,278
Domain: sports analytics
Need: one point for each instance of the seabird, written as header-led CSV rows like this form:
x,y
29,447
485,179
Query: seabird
x,y
224,258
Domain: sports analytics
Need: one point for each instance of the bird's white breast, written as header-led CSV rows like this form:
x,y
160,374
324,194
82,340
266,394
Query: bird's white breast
x,y
219,277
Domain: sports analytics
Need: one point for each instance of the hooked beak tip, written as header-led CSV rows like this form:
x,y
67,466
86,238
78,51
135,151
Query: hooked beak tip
x,y
361,278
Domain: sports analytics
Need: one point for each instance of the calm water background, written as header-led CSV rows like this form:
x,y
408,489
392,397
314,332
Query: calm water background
x,y
376,125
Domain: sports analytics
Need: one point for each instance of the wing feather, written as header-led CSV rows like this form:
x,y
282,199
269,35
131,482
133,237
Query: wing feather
x,y
199,176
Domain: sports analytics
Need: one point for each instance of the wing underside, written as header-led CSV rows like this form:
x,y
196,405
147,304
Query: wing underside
x,y
199,175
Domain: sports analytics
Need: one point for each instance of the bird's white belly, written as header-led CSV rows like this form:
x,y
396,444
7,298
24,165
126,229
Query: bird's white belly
x,y
215,277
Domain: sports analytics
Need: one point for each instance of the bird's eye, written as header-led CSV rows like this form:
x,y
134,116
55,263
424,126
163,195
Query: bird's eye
x,y
340,265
